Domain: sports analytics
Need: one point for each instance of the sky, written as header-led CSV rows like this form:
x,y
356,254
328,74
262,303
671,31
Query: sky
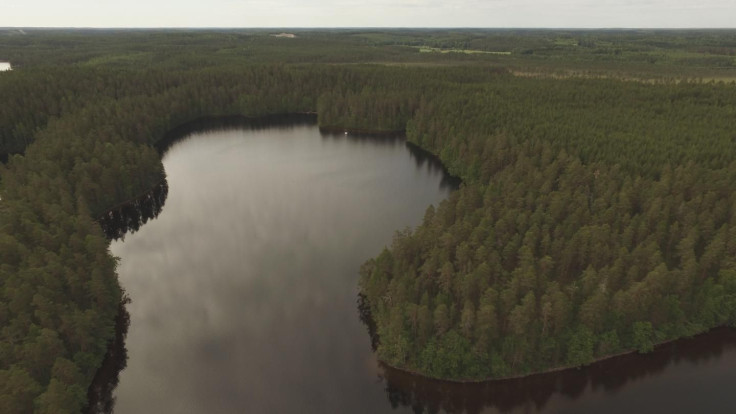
x,y
370,13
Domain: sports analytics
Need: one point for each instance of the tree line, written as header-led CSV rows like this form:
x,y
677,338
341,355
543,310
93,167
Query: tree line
x,y
58,289
596,216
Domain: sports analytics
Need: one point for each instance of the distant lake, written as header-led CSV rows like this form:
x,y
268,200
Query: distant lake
x,y
4,66
244,292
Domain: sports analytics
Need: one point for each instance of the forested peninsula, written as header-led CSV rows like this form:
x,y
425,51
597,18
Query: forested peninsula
x,y
596,215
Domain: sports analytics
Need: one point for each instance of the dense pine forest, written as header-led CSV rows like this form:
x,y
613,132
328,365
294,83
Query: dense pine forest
x,y
597,213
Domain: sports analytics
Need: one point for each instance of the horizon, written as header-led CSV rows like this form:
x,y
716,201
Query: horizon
x,y
449,14
317,28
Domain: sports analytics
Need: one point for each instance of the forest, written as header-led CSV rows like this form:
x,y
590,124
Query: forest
x,y
597,214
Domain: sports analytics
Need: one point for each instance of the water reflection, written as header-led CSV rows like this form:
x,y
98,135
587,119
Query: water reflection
x,y
632,380
364,314
129,217
614,379
244,293
244,287
432,163
210,125
362,136
100,394
125,219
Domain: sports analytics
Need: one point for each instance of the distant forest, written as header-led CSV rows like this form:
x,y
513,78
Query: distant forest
x,y
597,213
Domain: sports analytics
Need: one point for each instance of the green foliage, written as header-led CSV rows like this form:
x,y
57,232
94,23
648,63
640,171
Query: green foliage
x,y
450,356
60,398
580,347
727,278
643,337
596,215
17,390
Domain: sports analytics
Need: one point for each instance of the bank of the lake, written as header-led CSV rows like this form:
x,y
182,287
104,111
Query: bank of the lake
x,y
95,154
350,362
689,375
657,347
375,132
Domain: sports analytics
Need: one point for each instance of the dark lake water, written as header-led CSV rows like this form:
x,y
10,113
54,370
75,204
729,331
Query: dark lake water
x,y
244,292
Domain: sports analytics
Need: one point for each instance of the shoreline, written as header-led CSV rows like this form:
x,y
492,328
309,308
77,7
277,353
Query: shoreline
x,y
598,360
217,122
175,134
105,380
332,129
130,201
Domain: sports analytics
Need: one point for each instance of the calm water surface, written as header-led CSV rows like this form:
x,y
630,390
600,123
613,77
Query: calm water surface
x,y
244,292
244,288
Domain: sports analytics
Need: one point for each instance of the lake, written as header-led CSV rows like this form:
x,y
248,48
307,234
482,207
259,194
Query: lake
x,y
245,299
244,289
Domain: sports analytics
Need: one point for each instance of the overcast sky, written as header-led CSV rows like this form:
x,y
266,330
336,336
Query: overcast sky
x,y
368,13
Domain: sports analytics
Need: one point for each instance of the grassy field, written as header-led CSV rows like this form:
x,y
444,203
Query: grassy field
x,y
424,49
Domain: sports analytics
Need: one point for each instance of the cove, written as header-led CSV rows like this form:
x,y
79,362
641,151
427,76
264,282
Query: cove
x,y
244,295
